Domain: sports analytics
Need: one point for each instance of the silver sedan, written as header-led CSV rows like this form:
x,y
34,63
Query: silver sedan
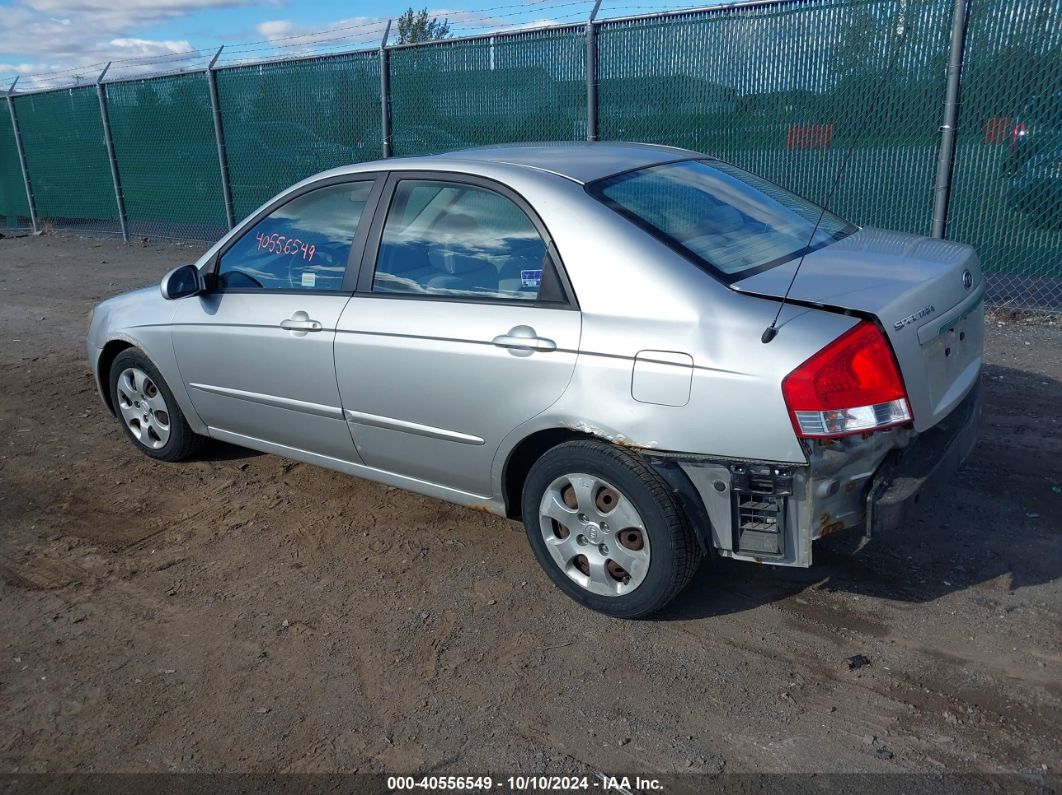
x,y
576,336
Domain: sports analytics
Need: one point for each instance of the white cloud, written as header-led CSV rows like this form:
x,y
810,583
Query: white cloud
x,y
133,47
275,27
20,69
284,37
145,8
78,36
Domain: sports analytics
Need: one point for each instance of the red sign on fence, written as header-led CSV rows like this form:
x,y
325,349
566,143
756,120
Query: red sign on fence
x,y
1002,130
809,136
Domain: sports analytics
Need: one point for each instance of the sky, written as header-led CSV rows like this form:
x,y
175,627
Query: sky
x,y
60,42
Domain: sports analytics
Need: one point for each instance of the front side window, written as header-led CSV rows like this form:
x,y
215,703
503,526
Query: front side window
x,y
724,217
452,239
303,245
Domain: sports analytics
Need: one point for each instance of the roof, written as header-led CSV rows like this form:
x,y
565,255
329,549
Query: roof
x,y
580,161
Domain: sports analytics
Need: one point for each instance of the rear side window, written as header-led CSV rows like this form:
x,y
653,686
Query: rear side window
x,y
303,245
453,239
724,218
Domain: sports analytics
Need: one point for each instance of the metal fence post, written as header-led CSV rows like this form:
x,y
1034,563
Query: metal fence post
x,y
22,157
119,197
219,134
385,92
946,159
591,74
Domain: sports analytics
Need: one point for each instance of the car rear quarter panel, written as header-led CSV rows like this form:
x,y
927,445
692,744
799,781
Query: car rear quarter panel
x,y
637,295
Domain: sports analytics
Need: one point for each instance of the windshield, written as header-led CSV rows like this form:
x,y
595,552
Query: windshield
x,y
725,218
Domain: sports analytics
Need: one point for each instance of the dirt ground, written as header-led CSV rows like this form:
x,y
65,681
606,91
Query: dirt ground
x,y
243,612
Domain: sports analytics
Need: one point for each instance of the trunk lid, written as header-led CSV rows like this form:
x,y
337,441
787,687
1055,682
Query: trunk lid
x,y
928,295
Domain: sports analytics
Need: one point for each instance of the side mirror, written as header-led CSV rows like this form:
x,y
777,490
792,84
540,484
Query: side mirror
x,y
181,282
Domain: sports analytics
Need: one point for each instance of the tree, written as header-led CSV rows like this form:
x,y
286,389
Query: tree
x,y
415,26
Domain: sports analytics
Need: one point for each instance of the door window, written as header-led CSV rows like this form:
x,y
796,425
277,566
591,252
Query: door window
x,y
303,245
453,239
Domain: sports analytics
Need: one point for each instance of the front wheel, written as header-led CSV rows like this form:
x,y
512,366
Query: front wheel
x,y
606,529
148,411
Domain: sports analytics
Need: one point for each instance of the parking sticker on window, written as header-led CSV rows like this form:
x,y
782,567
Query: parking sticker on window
x,y
309,279
531,278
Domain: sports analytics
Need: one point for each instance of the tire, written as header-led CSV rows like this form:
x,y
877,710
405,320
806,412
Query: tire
x,y
648,533
148,412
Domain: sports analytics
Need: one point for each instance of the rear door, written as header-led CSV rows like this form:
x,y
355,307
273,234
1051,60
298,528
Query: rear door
x,y
463,327
255,351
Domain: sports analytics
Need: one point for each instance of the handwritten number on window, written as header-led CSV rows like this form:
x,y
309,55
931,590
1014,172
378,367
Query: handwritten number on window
x,y
277,243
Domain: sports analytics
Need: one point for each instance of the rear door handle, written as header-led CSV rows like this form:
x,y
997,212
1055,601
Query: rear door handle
x,y
524,338
300,321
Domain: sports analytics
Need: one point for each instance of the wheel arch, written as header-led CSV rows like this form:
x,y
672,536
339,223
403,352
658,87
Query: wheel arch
x,y
103,368
532,447
523,456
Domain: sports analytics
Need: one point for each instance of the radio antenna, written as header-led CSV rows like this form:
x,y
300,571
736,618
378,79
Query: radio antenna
x,y
771,331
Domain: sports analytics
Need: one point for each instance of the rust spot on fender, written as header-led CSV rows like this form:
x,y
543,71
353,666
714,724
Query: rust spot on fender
x,y
832,528
615,438
826,526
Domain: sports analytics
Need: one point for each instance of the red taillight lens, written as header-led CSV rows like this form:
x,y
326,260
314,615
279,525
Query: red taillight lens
x,y
851,386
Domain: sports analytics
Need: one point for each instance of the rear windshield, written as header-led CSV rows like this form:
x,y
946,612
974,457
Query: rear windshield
x,y
724,218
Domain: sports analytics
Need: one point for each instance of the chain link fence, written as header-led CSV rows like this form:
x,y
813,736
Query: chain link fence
x,y
66,159
807,93
286,120
522,87
787,90
1007,197
14,208
170,178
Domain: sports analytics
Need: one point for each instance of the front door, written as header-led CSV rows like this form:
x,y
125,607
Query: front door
x,y
462,331
255,351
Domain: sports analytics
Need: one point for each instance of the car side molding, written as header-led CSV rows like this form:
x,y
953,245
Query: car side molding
x,y
377,421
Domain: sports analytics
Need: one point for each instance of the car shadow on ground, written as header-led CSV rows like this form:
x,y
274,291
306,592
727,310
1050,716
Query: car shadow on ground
x,y
214,450
913,564
998,516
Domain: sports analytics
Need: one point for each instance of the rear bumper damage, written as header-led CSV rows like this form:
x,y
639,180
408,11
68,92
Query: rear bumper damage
x,y
770,512
909,476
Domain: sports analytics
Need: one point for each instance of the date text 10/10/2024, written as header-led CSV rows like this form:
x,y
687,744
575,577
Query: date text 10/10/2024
x,y
602,782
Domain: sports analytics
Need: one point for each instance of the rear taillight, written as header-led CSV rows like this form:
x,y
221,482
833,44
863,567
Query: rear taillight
x,y
851,386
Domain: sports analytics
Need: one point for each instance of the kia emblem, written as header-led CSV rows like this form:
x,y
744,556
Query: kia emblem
x,y
967,279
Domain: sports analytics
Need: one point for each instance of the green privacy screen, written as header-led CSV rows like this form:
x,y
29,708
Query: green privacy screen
x,y
792,90
520,87
66,155
163,132
14,209
785,90
1007,198
285,121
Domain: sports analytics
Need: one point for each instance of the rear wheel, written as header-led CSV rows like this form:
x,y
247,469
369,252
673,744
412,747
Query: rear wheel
x,y
146,408
607,530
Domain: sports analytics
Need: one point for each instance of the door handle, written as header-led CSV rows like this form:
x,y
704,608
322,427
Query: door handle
x,y
524,338
300,321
